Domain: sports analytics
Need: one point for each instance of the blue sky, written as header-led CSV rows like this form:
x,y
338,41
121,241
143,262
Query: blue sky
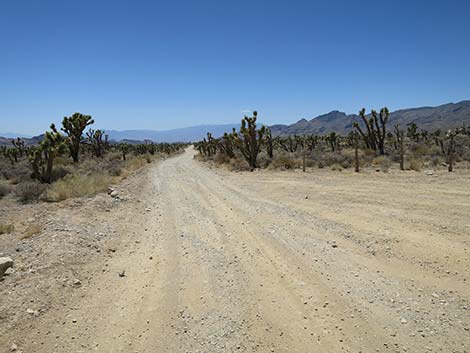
x,y
161,65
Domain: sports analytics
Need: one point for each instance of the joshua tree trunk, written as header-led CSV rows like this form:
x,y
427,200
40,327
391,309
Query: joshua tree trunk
x,y
50,163
356,151
402,155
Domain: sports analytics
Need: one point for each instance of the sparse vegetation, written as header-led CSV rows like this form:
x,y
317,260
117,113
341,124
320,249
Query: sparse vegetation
x,y
369,144
66,164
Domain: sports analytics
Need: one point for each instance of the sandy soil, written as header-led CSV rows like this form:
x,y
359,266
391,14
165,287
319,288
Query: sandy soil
x,y
216,261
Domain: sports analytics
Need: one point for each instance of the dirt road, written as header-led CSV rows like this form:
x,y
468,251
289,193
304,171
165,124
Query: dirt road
x,y
323,261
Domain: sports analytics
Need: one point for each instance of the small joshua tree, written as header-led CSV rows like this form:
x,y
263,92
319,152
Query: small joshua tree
x,y
19,145
249,139
124,148
74,126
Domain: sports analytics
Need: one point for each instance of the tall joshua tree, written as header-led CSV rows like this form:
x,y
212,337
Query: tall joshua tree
x,y
249,139
374,137
74,126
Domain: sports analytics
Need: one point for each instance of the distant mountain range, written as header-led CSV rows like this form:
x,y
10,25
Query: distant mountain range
x,y
188,134
443,117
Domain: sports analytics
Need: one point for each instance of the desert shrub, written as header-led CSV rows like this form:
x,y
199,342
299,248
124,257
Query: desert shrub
x,y
238,164
4,188
18,173
419,149
310,163
263,160
285,161
77,186
436,160
58,173
383,162
135,163
29,191
328,159
336,167
415,164
368,156
6,228
346,163
221,158
114,170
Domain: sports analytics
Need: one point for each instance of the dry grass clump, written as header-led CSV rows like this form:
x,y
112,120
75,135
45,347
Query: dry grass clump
x,y
94,176
382,162
29,191
31,231
6,228
78,185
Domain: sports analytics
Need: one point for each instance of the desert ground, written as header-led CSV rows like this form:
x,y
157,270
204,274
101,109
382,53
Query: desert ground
x,y
185,257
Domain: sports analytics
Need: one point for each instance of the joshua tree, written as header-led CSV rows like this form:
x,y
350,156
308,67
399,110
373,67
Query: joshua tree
x,y
374,137
12,155
42,157
269,143
74,126
226,144
400,136
355,140
448,149
249,139
332,141
124,148
289,144
412,132
95,137
19,145
310,142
